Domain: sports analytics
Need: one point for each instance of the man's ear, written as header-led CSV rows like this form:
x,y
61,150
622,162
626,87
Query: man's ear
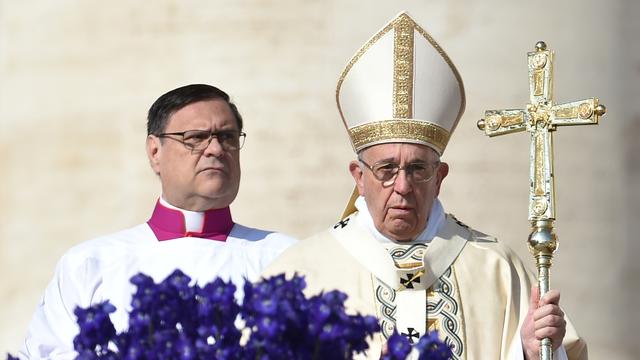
x,y
358,176
443,171
154,152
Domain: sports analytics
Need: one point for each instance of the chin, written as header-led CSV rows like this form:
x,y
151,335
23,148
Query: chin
x,y
216,193
402,234
402,226
214,184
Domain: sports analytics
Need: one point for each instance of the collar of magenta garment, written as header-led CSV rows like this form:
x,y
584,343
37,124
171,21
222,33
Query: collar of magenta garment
x,y
168,224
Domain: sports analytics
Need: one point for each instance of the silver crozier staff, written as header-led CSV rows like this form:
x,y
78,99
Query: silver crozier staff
x,y
540,118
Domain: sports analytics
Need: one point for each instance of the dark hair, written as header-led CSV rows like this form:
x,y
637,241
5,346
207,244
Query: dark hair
x,y
176,99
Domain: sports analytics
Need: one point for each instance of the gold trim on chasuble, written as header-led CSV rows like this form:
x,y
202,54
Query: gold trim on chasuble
x,y
403,72
444,313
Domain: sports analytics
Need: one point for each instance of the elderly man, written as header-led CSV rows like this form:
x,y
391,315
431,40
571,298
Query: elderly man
x,y
193,144
397,253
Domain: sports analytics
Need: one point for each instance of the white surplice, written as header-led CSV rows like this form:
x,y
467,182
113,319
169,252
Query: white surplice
x,y
100,269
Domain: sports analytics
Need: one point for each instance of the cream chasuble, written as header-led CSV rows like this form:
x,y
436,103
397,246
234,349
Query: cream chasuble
x,y
463,283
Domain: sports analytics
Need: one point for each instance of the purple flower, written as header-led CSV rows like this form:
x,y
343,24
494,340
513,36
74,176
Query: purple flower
x,y
285,324
96,328
339,335
431,348
144,294
398,347
175,320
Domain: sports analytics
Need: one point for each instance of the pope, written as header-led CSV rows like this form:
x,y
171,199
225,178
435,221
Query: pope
x,y
396,252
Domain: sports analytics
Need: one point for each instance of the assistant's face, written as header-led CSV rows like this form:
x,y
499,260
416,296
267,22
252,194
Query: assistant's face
x,y
400,210
202,180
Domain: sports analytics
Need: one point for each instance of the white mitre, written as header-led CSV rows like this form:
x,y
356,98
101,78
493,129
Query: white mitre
x,y
400,87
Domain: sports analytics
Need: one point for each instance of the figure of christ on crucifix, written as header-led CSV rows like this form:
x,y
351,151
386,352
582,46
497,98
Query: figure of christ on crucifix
x,y
541,118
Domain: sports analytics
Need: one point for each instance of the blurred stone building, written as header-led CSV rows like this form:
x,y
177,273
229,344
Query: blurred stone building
x,y
77,77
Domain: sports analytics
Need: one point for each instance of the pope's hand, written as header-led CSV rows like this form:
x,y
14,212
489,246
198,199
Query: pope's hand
x,y
545,319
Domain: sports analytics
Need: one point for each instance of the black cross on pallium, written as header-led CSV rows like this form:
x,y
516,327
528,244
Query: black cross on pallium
x,y
410,334
411,278
341,223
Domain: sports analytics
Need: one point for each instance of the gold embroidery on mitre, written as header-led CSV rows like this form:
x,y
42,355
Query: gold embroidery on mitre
x,y
403,68
401,130
390,26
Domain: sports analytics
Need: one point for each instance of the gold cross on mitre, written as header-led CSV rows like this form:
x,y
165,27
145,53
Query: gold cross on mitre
x,y
541,118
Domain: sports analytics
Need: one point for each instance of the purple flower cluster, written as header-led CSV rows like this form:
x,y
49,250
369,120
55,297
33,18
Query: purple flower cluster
x,y
175,320
286,325
168,320
97,330
429,347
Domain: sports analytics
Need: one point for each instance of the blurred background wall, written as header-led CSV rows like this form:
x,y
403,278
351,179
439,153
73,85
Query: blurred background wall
x,y
77,77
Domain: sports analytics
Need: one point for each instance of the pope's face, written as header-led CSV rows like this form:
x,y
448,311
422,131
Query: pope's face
x,y
400,210
197,181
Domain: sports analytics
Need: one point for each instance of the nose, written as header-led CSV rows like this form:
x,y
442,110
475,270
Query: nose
x,y
402,185
214,148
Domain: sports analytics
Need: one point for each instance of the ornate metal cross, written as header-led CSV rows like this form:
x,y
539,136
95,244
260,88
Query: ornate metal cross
x,y
541,118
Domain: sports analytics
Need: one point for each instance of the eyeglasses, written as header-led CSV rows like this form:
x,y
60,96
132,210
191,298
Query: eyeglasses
x,y
387,172
199,140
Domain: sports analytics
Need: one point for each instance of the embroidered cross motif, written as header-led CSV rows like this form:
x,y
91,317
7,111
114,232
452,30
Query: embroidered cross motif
x,y
411,278
410,334
342,223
